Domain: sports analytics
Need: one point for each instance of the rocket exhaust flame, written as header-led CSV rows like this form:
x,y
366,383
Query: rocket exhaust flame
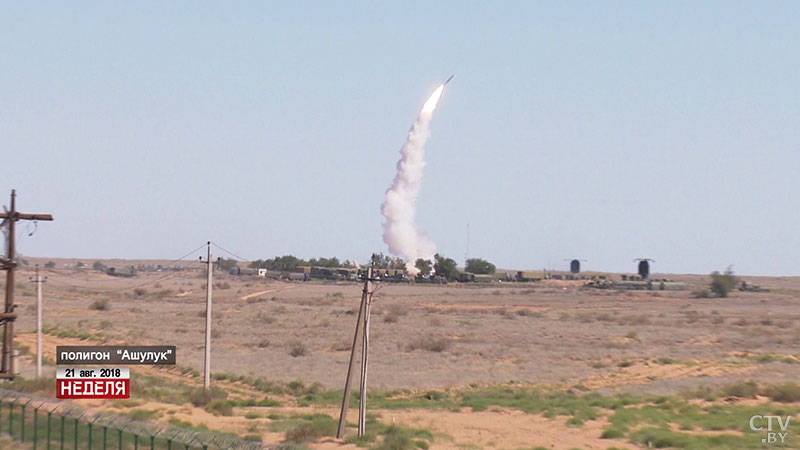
x,y
399,207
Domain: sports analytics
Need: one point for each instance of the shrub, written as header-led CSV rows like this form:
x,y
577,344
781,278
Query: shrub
x,y
297,349
140,292
100,305
145,414
265,317
318,426
360,441
785,393
662,438
612,433
394,314
163,293
391,318
429,343
722,283
398,438
31,385
202,397
742,390
220,408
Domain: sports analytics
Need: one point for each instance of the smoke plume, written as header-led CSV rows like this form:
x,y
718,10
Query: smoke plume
x,y
399,207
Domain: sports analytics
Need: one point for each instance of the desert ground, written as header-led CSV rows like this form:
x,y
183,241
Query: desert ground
x,y
550,364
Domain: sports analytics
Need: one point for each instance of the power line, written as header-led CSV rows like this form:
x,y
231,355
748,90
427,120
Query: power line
x,y
230,253
99,290
146,283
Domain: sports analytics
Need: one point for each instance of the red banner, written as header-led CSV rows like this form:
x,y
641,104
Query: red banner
x,y
93,388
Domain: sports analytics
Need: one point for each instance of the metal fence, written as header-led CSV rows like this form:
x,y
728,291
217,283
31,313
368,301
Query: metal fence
x,y
50,424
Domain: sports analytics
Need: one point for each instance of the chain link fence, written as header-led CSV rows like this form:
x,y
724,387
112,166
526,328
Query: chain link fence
x,y
53,425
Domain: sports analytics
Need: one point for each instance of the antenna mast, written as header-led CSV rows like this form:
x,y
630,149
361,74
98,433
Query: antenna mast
x,y
466,252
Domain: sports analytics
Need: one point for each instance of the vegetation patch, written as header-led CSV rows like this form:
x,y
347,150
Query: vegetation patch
x,y
428,343
305,427
100,305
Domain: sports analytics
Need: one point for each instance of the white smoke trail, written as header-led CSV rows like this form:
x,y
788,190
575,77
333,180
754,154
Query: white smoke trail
x,y
399,208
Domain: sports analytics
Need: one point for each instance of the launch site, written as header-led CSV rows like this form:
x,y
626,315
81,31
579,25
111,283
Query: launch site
x,y
456,226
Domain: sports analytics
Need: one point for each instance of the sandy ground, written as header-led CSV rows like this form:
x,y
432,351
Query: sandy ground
x,y
501,428
539,333
555,333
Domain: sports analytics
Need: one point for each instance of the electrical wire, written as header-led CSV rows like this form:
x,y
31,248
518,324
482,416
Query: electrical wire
x,y
146,283
231,253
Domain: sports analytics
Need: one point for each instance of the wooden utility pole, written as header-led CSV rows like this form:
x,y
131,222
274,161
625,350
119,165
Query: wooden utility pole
x,y
362,404
38,280
207,364
363,320
9,264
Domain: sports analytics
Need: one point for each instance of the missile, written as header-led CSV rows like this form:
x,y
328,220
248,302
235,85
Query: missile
x,y
448,80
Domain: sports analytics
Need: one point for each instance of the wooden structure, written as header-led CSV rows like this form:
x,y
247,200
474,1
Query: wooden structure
x,y
9,264
362,327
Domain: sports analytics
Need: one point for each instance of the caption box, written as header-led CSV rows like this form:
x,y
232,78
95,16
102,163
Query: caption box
x,y
93,382
128,355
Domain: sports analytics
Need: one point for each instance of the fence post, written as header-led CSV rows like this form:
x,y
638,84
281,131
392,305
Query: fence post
x,y
135,442
35,427
119,441
22,422
10,418
62,433
90,435
152,442
76,434
105,435
169,444
49,416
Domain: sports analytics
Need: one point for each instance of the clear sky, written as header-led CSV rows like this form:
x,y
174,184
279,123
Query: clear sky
x,y
600,130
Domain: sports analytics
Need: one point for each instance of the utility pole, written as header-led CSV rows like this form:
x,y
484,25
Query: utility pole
x,y
207,364
8,317
362,404
363,320
38,280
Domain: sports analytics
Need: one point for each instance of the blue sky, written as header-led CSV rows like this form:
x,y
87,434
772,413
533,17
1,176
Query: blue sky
x,y
600,130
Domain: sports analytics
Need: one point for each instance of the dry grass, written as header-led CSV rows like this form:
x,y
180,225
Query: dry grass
x,y
535,333
100,305
297,349
428,343
395,313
